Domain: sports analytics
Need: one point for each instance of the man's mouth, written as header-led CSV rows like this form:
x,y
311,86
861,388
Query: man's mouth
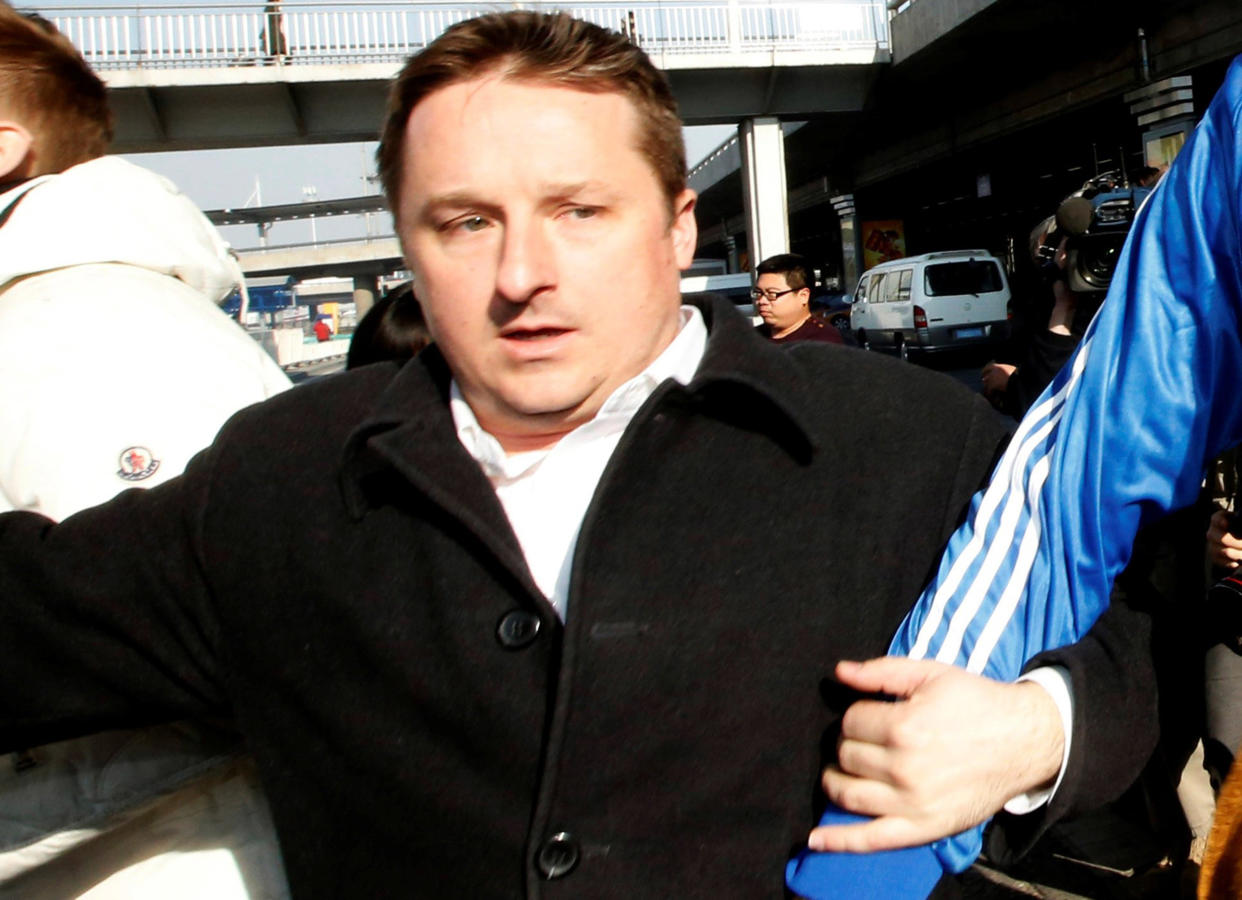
x,y
534,334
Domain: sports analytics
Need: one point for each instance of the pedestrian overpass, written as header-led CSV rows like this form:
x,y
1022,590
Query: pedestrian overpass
x,y
232,75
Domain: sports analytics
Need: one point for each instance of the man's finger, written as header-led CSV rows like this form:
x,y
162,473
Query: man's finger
x,y
1225,558
894,675
884,833
864,759
870,721
858,795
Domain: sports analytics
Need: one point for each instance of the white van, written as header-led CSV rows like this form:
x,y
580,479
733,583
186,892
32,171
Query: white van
x,y
735,287
936,301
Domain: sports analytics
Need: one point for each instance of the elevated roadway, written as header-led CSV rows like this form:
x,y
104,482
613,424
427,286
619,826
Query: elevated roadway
x,y
261,216
365,259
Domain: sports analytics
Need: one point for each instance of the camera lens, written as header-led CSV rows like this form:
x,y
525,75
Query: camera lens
x,y
1095,261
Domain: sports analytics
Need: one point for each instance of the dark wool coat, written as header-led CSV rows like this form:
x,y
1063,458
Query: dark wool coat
x,y
337,575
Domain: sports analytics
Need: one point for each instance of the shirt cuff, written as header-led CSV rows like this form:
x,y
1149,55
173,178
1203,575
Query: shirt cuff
x,y
1054,680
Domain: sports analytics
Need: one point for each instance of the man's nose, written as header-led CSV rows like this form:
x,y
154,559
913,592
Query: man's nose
x,y
526,264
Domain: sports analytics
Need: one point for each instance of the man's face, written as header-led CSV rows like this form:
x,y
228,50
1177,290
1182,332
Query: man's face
x,y
542,249
788,308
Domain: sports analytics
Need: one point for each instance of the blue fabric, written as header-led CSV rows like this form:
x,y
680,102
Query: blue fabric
x,y
863,876
1120,436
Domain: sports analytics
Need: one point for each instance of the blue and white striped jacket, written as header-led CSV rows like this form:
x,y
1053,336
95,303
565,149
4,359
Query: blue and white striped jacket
x,y
1120,437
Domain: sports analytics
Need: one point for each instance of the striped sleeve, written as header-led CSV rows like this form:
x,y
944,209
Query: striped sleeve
x,y
1120,437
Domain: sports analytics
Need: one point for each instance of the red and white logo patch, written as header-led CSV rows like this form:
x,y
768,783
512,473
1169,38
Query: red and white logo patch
x,y
137,463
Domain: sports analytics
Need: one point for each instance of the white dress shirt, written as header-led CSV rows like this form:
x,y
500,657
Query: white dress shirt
x,y
546,492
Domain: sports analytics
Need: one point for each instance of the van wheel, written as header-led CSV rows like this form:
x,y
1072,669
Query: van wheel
x,y
903,350
863,341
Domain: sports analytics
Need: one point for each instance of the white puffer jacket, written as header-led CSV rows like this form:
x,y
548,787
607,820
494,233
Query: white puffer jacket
x,y
116,366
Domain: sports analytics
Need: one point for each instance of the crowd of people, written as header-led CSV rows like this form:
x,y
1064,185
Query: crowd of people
x,y
525,597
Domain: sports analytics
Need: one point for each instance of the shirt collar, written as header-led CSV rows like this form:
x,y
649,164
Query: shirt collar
x,y
678,361
409,427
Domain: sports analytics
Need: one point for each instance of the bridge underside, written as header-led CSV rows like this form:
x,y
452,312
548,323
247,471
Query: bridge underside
x,y
1000,88
278,105
1015,90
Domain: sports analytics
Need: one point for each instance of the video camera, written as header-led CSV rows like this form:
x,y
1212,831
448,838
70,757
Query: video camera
x,y
1094,222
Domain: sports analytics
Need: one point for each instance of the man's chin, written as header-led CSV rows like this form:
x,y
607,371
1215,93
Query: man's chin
x,y
556,414
550,417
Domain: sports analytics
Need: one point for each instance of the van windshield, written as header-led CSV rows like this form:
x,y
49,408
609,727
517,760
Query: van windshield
x,y
972,277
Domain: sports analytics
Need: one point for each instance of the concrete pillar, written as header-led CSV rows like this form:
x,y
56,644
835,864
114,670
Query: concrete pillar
x,y
366,289
730,246
764,193
851,251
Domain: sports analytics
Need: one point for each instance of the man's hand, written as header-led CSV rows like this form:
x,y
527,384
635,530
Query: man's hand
x,y
1224,549
1064,302
995,378
946,755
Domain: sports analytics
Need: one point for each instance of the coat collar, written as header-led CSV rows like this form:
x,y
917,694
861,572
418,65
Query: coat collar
x,y
410,429
742,365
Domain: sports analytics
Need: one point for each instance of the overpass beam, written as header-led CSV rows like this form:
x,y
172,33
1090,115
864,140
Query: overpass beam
x,y
366,288
764,191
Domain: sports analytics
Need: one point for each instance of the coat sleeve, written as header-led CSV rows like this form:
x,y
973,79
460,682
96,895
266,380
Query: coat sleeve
x,y
1114,683
106,619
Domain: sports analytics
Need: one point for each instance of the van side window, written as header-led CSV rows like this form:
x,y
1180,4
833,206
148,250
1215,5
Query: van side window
x,y
876,294
861,293
891,294
903,289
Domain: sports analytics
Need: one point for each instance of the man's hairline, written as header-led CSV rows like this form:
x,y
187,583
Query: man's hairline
x,y
501,70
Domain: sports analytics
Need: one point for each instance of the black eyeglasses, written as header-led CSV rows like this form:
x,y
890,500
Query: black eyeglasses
x,y
760,293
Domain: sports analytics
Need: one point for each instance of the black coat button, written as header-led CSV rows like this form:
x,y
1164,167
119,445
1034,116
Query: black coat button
x,y
517,629
558,855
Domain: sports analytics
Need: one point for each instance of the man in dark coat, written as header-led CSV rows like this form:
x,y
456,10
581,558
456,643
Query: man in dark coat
x,y
541,612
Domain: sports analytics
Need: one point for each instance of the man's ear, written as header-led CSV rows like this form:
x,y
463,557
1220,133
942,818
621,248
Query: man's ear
x,y
684,230
15,144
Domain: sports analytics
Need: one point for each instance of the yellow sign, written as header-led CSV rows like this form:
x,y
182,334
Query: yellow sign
x,y
882,241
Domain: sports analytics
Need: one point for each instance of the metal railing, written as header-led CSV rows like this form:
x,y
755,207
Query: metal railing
x,y
297,33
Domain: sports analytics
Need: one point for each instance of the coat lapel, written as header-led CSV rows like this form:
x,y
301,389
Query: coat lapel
x,y
410,431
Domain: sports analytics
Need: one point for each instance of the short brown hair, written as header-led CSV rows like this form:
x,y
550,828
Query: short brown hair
x,y
46,85
541,47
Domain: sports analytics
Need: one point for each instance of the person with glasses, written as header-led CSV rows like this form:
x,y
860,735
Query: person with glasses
x,y
782,296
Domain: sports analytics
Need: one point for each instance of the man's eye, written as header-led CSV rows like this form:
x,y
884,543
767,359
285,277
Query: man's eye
x,y
582,212
466,223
